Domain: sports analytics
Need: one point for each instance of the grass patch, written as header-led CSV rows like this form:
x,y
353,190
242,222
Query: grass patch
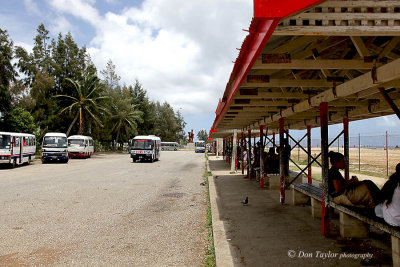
x,y
209,260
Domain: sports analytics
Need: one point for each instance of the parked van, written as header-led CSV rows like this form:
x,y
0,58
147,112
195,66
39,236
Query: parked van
x,y
17,148
55,147
145,147
80,146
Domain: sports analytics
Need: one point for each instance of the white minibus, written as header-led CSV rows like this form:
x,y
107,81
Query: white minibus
x,y
80,146
145,147
200,146
169,146
17,148
54,147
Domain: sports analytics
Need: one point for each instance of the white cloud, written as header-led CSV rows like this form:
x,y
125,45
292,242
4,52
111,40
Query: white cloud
x,y
32,7
61,24
181,51
389,121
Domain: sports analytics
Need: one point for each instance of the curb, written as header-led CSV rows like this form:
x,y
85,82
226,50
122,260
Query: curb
x,y
223,255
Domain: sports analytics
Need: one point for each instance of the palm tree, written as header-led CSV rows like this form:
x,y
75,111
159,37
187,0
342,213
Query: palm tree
x,y
124,116
87,102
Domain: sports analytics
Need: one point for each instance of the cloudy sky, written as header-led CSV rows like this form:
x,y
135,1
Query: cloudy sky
x,y
181,51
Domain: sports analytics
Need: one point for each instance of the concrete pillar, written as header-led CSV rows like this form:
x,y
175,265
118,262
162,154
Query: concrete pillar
x,y
309,174
274,182
352,227
234,152
325,224
299,198
346,147
396,251
316,208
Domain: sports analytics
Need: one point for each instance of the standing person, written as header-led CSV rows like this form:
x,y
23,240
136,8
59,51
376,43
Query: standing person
x,y
362,194
389,208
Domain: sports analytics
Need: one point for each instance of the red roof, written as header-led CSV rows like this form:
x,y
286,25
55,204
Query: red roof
x,y
267,15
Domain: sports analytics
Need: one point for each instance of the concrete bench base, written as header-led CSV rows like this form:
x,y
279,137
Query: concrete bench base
x,y
352,227
316,208
274,182
396,251
299,198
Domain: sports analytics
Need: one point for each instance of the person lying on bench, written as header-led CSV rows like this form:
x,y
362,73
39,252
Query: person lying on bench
x,y
389,208
361,194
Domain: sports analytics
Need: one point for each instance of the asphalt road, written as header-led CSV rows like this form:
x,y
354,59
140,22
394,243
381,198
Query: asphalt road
x,y
104,211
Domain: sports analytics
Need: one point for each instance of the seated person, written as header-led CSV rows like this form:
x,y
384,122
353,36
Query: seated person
x,y
362,194
389,208
271,164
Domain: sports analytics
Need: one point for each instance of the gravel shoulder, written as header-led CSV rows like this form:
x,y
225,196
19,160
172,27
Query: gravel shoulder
x,y
104,211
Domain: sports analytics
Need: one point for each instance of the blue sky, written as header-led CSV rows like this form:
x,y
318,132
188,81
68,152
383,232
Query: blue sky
x,y
181,51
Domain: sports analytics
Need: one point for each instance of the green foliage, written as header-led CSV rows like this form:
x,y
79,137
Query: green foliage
x,y
85,102
7,72
60,90
21,121
202,135
124,115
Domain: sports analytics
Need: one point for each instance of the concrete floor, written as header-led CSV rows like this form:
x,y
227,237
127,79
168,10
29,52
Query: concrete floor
x,y
266,233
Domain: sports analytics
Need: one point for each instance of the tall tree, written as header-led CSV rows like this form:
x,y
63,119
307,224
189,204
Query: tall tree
x,y
85,102
7,72
141,101
110,75
21,121
124,115
202,135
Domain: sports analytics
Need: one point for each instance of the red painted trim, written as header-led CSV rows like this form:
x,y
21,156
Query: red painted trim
x,y
260,32
267,15
281,8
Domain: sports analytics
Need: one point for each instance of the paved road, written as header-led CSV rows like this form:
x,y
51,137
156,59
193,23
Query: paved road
x,y
104,211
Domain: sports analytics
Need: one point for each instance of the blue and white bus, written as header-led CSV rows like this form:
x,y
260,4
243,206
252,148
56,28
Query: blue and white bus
x,y
200,146
55,147
17,148
145,147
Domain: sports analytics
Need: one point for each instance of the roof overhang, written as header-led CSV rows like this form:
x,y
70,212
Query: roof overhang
x,y
299,54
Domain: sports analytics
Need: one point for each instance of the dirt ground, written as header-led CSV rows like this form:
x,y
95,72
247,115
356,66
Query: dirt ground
x,y
104,211
372,161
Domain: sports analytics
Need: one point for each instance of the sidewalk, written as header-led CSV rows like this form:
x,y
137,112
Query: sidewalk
x,y
266,233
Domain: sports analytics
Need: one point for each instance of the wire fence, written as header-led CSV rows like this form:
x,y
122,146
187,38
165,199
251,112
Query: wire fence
x,y
375,155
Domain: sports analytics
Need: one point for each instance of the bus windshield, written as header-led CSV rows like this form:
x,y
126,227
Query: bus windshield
x,y
55,141
200,144
5,141
142,144
79,142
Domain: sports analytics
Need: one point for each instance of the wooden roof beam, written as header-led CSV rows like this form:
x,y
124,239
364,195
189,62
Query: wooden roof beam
x,y
316,64
384,74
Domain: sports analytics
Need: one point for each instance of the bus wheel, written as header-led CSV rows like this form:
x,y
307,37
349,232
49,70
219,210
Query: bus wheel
x,y
14,163
29,160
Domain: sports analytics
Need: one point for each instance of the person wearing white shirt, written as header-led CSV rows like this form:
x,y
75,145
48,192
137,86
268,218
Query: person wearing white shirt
x,y
389,208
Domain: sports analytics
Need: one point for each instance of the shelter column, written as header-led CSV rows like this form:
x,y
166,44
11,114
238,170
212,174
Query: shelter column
x,y
261,156
309,153
249,155
234,152
282,159
242,150
346,147
325,167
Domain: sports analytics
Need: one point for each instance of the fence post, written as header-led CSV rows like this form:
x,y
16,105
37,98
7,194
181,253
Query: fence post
x,y
387,155
359,152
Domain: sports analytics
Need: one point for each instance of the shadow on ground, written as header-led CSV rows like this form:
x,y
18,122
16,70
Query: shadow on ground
x,y
266,233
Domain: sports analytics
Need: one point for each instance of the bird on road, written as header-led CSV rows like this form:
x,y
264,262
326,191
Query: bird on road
x,y
203,183
246,201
